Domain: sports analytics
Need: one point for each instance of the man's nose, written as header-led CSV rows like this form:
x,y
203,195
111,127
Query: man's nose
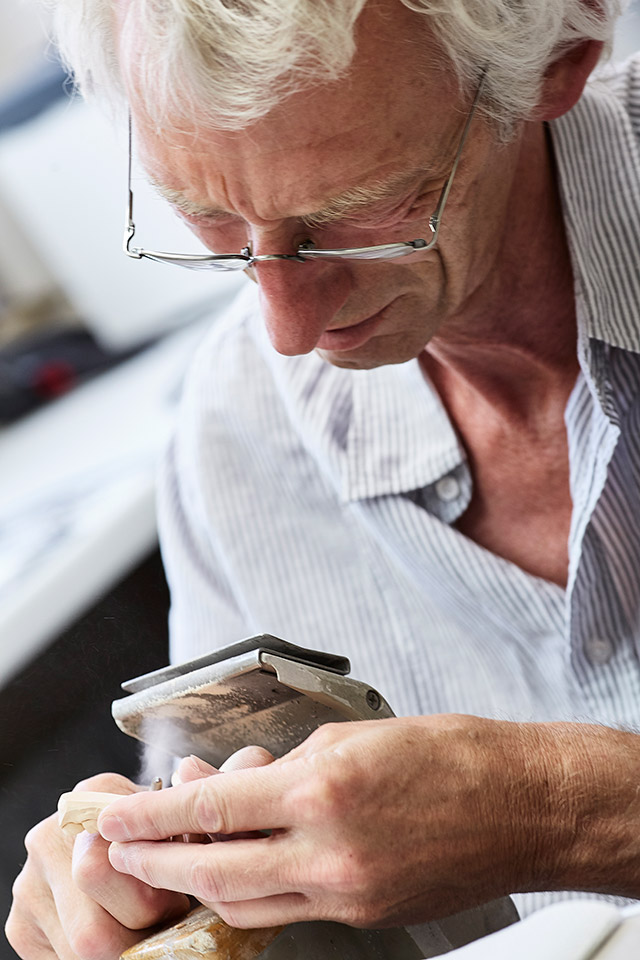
x,y
299,300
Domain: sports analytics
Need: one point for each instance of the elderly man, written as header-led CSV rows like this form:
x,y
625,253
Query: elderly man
x,y
424,191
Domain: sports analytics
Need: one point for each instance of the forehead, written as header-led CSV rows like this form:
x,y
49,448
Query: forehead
x,y
392,111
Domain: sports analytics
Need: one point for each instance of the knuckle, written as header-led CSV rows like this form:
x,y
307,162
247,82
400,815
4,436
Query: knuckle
x,y
20,936
40,836
91,942
204,884
25,934
325,736
21,888
209,813
97,939
324,795
90,866
31,841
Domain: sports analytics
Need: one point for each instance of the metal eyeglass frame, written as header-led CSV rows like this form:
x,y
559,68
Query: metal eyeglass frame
x,y
306,251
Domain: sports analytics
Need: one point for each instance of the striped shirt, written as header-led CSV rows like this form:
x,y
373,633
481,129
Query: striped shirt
x,y
318,503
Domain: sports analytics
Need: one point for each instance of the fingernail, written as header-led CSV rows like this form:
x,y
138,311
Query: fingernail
x,y
113,828
117,858
201,765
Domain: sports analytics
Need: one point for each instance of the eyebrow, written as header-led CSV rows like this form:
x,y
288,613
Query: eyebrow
x,y
355,200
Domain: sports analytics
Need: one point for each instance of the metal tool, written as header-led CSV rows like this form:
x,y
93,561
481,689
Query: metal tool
x,y
273,694
261,691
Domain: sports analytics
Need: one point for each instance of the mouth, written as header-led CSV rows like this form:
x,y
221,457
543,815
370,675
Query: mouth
x,y
349,338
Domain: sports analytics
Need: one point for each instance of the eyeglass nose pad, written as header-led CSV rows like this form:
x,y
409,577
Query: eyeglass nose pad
x,y
246,251
307,245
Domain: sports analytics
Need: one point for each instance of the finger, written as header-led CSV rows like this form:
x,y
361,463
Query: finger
x,y
247,757
244,759
68,925
192,768
24,928
75,925
240,800
90,933
28,943
129,901
216,872
275,911
109,783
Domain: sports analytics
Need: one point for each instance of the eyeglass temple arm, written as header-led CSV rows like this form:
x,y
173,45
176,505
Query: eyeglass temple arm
x,y
129,225
436,217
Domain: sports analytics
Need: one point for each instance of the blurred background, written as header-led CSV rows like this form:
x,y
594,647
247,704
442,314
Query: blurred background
x,y
93,349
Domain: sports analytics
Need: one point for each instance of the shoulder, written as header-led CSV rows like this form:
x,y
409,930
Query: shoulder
x,y
620,82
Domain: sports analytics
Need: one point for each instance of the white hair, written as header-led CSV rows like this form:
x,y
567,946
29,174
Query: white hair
x,y
229,62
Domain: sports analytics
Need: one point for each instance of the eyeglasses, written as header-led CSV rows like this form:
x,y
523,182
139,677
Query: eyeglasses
x,y
307,250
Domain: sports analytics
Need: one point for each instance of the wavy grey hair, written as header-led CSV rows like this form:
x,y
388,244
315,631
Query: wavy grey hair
x,y
228,62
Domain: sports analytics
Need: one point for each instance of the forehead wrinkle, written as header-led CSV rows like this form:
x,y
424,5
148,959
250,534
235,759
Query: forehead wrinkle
x,y
352,200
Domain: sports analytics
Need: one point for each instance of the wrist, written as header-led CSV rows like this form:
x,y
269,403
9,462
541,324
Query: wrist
x,y
584,820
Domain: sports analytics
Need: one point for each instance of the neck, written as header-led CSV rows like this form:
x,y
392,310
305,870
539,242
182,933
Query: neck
x,y
512,347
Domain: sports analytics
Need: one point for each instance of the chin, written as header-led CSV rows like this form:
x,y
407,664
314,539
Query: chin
x,y
375,353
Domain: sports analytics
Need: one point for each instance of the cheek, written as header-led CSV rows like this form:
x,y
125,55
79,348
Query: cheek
x,y
415,290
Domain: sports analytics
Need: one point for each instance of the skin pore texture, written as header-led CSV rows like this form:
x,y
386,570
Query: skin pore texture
x,y
463,809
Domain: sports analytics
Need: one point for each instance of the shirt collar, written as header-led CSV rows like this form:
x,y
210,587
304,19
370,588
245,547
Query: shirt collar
x,y
598,158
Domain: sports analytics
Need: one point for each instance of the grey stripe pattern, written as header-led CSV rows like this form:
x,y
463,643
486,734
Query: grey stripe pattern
x,y
317,503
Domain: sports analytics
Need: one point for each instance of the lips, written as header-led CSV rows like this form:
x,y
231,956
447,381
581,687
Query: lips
x,y
349,338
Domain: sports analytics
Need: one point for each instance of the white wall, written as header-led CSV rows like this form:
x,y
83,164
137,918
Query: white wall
x,y
23,27
628,34
23,47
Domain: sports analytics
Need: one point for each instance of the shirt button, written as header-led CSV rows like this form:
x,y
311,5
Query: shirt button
x,y
448,489
599,650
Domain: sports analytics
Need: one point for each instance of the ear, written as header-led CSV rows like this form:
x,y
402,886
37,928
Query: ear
x,y
565,79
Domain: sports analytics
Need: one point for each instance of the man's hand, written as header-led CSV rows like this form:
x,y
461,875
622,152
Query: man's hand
x,y
396,821
70,903
373,823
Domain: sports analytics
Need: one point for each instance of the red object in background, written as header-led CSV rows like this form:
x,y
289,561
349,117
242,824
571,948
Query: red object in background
x,y
48,363
53,378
